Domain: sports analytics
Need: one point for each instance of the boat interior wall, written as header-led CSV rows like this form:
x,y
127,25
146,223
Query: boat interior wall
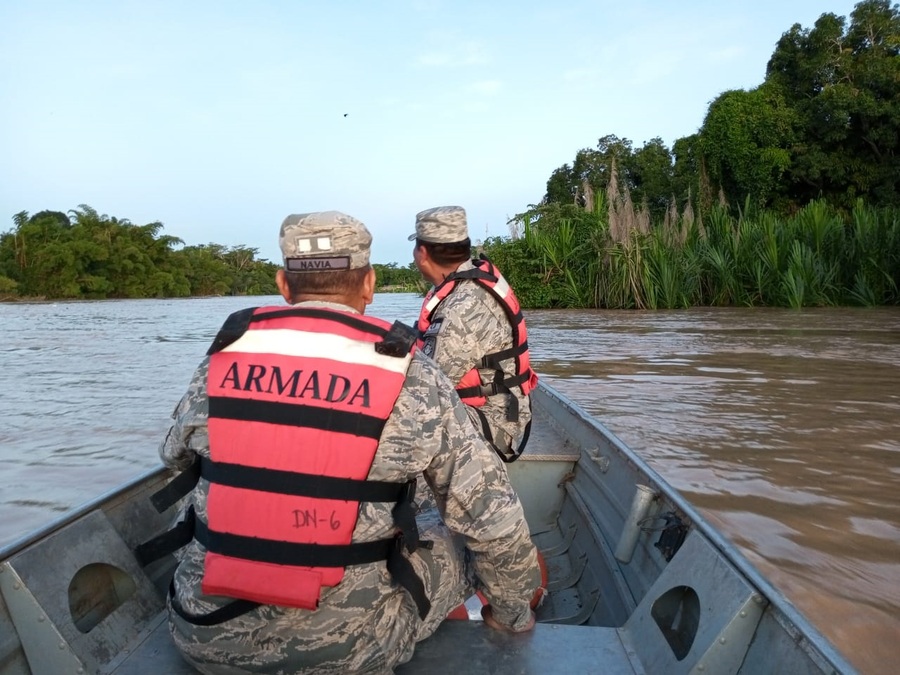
x,y
705,612
12,658
96,575
606,567
79,618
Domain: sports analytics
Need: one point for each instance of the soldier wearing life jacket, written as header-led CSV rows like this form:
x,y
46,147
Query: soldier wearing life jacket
x,y
472,326
305,429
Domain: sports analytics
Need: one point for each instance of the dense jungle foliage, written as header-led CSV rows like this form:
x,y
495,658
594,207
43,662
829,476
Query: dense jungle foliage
x,y
788,195
85,255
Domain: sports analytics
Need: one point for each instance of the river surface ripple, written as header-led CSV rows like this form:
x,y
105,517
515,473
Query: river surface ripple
x,y
782,427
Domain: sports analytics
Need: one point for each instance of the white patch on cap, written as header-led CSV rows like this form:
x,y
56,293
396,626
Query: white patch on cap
x,y
312,244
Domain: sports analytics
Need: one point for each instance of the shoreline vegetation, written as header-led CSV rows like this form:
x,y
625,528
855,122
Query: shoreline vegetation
x,y
787,196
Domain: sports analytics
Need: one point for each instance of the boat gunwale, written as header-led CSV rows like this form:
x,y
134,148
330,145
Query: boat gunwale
x,y
12,548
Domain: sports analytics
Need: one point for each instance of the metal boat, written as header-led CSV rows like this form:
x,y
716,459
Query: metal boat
x,y
638,581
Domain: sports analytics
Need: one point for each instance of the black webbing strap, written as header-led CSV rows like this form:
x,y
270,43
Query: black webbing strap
x,y
402,571
232,610
303,484
175,489
235,326
319,555
296,415
496,386
475,274
322,487
238,322
486,430
519,450
508,454
492,360
350,320
285,482
398,341
290,553
167,542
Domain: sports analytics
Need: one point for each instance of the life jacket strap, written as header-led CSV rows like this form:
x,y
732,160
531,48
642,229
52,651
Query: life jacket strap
x,y
284,482
168,542
400,569
398,341
304,484
234,327
493,359
238,322
232,610
313,555
175,489
508,454
474,274
402,572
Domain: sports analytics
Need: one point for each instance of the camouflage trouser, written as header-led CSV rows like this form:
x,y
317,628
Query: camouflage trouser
x,y
443,571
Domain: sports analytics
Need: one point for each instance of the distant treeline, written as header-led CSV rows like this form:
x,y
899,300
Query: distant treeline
x,y
84,255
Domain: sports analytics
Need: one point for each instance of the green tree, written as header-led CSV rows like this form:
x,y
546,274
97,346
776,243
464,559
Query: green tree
x,y
651,171
745,141
844,85
592,167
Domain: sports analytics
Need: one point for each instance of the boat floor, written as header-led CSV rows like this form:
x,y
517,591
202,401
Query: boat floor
x,y
457,647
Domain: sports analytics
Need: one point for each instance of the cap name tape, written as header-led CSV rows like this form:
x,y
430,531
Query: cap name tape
x,y
318,264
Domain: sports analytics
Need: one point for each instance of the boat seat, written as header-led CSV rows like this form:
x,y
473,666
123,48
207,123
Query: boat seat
x,y
457,647
550,649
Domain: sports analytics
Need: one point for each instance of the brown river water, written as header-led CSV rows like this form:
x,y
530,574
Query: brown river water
x,y
782,427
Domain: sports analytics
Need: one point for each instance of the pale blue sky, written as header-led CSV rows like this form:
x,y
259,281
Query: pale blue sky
x,y
220,118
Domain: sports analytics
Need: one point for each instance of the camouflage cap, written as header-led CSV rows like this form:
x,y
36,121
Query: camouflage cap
x,y
441,225
318,242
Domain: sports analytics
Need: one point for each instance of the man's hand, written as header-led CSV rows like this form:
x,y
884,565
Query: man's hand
x,y
488,615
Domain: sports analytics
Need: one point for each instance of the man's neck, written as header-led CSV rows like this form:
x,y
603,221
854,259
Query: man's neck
x,y
356,304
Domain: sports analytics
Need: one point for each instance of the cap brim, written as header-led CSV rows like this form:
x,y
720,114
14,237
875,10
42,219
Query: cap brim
x,y
411,237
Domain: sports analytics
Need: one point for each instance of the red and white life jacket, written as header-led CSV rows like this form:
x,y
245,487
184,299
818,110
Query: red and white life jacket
x,y
471,388
298,399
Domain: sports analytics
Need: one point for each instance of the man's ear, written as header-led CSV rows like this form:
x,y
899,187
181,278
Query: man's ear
x,y
368,288
281,283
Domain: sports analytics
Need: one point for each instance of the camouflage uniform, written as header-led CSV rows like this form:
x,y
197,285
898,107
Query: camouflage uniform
x,y
468,324
366,624
471,323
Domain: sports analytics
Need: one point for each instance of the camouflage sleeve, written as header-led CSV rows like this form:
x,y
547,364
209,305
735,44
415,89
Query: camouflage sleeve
x,y
477,501
188,437
469,328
